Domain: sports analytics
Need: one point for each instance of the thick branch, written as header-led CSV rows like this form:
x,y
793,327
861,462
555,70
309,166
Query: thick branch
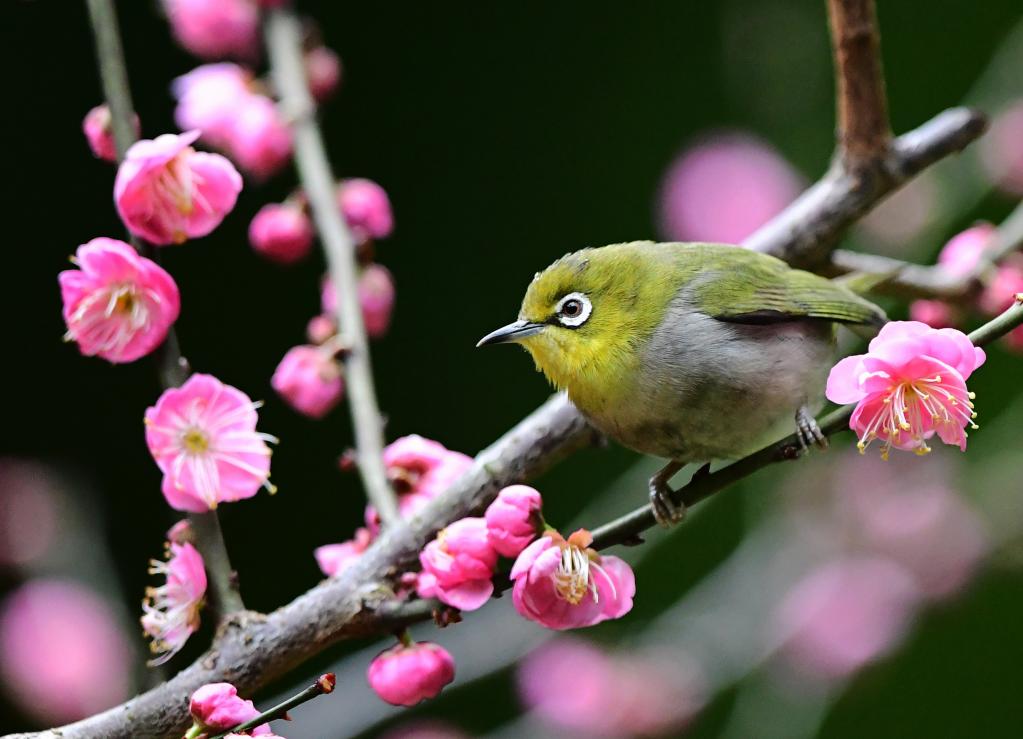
x,y
284,42
172,367
805,234
863,130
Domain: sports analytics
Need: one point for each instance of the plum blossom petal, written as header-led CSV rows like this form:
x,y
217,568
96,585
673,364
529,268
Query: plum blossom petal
x,y
405,675
310,379
216,707
458,565
513,519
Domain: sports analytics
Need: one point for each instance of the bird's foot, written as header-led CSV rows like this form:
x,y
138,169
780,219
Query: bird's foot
x,y
808,431
666,511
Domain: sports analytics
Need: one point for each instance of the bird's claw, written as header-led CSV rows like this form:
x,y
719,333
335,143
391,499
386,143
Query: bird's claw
x,y
666,511
808,431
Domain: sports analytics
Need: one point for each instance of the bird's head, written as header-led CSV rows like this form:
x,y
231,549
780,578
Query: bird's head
x,y
585,318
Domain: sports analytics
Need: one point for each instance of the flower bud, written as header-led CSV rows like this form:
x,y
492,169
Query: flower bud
x,y
218,707
323,70
405,675
458,565
513,519
309,378
366,208
260,140
214,29
376,296
99,132
320,329
281,232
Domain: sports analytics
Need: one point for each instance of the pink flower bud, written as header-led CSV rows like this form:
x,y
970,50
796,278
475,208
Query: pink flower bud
x,y
282,233
724,188
260,139
458,565
167,192
218,707
310,379
209,98
962,253
63,653
117,305
323,69
935,313
1002,149
203,438
1001,292
99,132
513,519
376,296
909,387
405,675
334,559
563,584
366,208
214,29
320,329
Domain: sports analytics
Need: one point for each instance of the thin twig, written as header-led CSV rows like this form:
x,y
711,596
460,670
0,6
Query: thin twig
x,y
284,44
172,367
862,110
324,684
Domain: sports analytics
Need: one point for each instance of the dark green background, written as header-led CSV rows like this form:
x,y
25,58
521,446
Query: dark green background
x,y
506,134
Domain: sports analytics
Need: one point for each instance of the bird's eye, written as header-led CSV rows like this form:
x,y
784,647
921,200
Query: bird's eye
x,y
573,310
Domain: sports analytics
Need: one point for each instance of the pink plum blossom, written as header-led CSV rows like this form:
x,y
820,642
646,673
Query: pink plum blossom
x,y
214,29
310,379
1002,149
320,329
31,512
281,232
203,437
117,305
63,654
99,132
209,98
404,675
724,188
167,192
334,559
366,208
1001,291
513,519
963,252
216,707
574,686
323,70
260,139
563,584
935,313
844,615
170,612
458,565
376,298
419,470
909,386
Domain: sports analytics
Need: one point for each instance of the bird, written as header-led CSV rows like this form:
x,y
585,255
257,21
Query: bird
x,y
691,352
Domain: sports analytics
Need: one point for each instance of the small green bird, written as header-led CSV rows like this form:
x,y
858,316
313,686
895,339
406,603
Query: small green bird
x,y
690,352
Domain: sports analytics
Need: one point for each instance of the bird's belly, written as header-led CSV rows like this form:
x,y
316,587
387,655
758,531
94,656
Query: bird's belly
x,y
733,391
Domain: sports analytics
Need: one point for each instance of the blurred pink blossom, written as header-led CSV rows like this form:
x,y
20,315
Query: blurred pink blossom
x,y
203,437
724,188
323,69
118,305
260,137
214,29
909,386
406,675
419,469
563,584
935,313
170,612
29,511
961,255
209,98
1002,149
63,656
167,192
376,297
844,615
320,329
366,208
425,730
575,686
99,132
513,519
458,565
281,232
1001,292
310,379
216,707
334,559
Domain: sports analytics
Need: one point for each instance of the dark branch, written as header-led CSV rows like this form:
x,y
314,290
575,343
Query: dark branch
x,y
284,43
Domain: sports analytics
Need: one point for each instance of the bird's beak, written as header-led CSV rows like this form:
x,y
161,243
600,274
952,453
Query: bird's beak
x,y
512,332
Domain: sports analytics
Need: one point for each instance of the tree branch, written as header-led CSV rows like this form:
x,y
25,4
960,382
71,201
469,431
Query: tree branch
x,y
284,43
862,110
172,367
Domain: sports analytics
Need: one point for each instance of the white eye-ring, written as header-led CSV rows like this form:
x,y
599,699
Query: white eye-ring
x,y
573,310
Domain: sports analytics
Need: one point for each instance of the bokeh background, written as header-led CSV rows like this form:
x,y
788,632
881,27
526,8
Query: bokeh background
x,y
836,598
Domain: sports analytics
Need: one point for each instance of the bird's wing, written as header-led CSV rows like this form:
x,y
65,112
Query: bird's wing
x,y
736,288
